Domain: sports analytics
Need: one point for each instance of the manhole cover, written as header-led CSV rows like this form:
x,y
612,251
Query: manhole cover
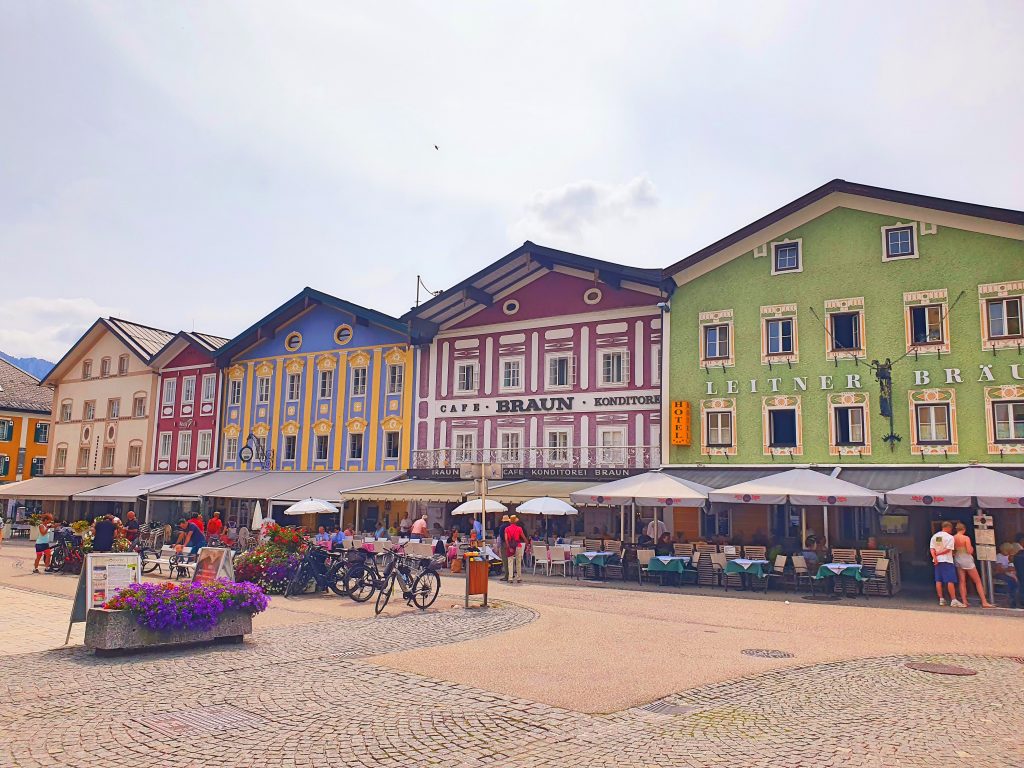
x,y
822,598
767,653
940,669
664,708
202,720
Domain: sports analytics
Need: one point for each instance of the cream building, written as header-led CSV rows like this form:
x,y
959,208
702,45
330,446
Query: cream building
x,y
103,401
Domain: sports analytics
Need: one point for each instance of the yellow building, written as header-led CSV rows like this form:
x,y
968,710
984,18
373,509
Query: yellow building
x,y
24,424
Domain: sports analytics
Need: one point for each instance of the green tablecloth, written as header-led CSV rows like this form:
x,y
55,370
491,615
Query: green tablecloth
x,y
755,568
850,571
672,565
599,559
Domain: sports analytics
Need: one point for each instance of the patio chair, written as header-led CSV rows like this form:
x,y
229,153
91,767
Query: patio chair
x,y
778,571
557,559
540,557
800,573
844,556
643,558
592,545
879,574
693,569
755,552
718,561
682,550
611,545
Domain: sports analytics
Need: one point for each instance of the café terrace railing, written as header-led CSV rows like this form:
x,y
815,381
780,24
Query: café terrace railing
x,y
573,457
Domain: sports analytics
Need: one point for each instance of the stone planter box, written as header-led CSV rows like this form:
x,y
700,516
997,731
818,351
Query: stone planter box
x,y
110,632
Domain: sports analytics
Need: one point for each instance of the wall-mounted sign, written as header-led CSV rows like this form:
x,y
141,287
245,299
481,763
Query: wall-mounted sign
x,y
679,418
576,403
533,473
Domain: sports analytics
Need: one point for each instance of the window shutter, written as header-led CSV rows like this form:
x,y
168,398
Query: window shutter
x,y
572,365
625,368
5,465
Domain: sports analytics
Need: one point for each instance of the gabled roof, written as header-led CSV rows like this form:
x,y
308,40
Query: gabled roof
x,y
267,327
479,289
181,340
841,186
143,341
20,391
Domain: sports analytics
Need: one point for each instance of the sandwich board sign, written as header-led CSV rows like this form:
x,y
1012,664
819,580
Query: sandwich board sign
x,y
103,575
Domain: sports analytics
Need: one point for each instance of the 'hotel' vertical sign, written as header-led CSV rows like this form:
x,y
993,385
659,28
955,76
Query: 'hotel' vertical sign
x,y
680,421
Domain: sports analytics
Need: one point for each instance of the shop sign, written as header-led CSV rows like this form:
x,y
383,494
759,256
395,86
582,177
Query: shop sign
x,y
533,473
680,422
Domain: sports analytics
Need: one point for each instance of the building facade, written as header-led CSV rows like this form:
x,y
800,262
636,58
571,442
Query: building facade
x,y
188,410
546,362
104,390
857,328
24,424
318,384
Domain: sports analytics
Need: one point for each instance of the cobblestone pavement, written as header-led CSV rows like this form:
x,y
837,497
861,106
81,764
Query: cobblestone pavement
x,y
308,695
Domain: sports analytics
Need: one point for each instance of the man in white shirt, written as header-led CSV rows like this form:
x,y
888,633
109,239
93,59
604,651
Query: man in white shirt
x,y
404,526
942,547
655,528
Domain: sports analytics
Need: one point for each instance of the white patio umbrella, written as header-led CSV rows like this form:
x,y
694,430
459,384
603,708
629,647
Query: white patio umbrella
x,y
472,507
651,489
545,505
257,517
311,506
991,489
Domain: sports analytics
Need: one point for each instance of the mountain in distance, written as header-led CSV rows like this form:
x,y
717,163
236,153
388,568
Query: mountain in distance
x,y
32,365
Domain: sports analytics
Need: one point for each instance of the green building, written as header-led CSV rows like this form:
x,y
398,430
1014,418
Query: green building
x,y
794,338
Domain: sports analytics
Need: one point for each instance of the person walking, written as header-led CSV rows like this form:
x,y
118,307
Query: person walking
x,y
499,543
963,558
515,545
43,541
942,549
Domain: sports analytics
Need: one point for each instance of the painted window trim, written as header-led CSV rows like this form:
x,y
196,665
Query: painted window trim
x,y
1011,289
398,452
234,387
521,360
773,247
355,377
706,425
844,307
355,437
717,405
204,434
392,387
779,312
475,365
288,387
776,403
321,376
933,396
993,396
851,399
571,370
626,365
938,297
915,242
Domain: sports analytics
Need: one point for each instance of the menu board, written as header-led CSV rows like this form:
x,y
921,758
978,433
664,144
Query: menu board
x,y
108,572
214,563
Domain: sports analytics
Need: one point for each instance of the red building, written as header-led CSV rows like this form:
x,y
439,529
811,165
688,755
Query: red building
x,y
188,403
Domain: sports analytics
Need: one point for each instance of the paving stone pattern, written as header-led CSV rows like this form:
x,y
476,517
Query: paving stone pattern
x,y
301,696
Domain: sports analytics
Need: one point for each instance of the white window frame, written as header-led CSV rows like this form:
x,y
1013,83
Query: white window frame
x,y
290,448
234,391
602,357
941,307
388,435
108,451
360,380
850,409
460,381
718,428
209,393
768,335
520,365
728,341
230,449
61,458
396,379
325,384
84,452
136,400
611,454
122,365
185,445
774,251
1011,420
294,386
204,447
931,424
165,444
325,441
1019,301
356,438
464,446
557,455
262,390
188,390
66,409
134,455
170,391
113,408
913,242
508,453
570,370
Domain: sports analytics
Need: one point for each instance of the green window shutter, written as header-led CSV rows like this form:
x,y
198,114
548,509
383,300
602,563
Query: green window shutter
x,y
6,430
39,432
5,465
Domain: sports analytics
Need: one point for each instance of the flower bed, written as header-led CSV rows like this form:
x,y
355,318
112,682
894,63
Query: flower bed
x,y
198,607
272,564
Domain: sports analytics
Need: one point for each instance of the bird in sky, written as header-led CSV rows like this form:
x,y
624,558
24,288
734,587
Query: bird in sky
x,y
437,147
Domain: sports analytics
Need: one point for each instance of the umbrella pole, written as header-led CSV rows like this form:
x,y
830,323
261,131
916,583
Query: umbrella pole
x,y
633,508
803,527
824,517
622,521
355,531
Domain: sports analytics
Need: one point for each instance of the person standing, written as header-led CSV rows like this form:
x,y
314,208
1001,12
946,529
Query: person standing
x,y
500,544
103,530
131,526
419,528
216,525
515,545
405,526
655,528
43,541
963,558
942,549
478,529
197,521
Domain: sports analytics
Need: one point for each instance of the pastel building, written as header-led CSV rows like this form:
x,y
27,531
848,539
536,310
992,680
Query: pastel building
x,y
188,406
545,362
24,424
319,384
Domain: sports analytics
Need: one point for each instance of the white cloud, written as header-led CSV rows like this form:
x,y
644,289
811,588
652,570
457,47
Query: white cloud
x,y
575,208
33,326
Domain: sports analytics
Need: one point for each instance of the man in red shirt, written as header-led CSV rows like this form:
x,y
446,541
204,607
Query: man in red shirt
x,y
216,525
515,544
197,520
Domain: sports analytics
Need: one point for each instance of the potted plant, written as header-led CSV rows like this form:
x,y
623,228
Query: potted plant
x,y
166,614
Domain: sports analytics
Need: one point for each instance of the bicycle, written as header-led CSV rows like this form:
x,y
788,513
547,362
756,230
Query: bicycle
x,y
314,568
363,575
420,591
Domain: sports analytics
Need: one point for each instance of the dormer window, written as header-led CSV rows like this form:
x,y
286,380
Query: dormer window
x,y
899,242
787,257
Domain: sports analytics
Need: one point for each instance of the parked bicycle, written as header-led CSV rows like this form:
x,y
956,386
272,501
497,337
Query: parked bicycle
x,y
317,566
364,573
66,554
419,588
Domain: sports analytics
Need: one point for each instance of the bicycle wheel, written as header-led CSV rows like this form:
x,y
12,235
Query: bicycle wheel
x,y
336,579
425,589
359,583
148,566
385,594
298,583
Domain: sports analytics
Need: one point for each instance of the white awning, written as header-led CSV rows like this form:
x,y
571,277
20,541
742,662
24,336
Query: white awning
x,y
517,491
413,490
131,488
53,487
992,489
798,486
651,489
332,484
202,486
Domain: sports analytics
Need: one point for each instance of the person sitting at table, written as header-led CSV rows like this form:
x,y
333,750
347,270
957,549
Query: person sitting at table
x,y
338,538
872,543
322,537
643,540
1005,572
810,554
664,545
381,532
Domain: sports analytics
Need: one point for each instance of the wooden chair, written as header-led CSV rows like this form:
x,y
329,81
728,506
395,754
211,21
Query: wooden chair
x,y
611,545
693,569
844,556
877,575
682,550
800,573
591,545
718,561
778,571
755,552
644,557
706,574
731,579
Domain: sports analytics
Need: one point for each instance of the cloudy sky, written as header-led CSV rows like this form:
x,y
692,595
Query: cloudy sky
x,y
193,164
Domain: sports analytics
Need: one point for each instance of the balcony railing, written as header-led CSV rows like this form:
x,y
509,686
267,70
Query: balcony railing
x,y
574,457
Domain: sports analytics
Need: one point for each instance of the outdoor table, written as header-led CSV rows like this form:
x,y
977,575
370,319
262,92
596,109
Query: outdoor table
x,y
596,559
746,569
668,564
843,571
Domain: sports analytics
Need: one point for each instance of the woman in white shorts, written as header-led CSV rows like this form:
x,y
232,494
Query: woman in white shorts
x,y
963,556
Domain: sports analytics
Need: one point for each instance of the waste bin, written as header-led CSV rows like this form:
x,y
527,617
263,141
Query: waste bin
x,y
477,571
